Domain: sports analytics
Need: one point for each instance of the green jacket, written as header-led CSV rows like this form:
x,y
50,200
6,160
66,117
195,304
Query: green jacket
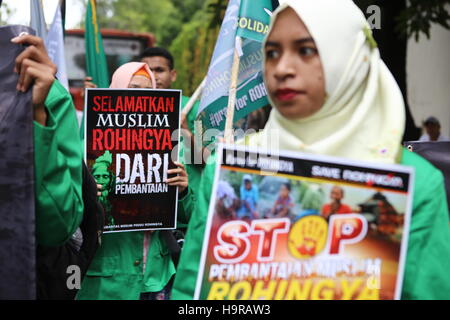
x,y
192,115
194,171
116,273
58,170
428,255
117,269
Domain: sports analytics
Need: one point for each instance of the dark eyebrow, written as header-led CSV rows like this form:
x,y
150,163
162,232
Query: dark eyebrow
x,y
305,40
299,41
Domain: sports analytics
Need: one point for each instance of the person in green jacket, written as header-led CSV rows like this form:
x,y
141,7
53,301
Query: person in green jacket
x,y
135,265
333,95
162,64
58,157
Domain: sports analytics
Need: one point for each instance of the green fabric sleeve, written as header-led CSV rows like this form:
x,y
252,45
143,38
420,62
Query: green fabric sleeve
x,y
185,208
58,170
187,270
428,255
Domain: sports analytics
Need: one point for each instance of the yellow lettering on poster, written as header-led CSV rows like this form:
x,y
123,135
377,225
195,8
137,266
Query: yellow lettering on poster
x,y
369,294
240,291
298,292
323,290
259,292
218,291
349,290
281,290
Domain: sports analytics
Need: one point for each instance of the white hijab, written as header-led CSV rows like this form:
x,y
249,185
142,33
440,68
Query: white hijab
x,y
363,117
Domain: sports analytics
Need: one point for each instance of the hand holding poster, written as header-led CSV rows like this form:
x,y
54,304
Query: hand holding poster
x,y
130,137
297,227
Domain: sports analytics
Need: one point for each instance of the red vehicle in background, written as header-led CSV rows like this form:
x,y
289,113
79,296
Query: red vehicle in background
x,y
120,47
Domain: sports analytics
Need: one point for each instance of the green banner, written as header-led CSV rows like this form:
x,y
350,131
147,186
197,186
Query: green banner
x,y
95,55
254,19
248,20
250,96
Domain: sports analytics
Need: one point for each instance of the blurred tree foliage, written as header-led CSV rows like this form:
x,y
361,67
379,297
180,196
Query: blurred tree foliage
x,y
416,16
5,12
188,28
194,45
419,15
163,18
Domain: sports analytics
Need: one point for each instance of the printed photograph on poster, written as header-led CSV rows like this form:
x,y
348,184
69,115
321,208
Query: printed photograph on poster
x,y
129,138
300,227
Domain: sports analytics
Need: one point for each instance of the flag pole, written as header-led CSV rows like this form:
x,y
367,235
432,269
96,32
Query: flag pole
x,y
193,98
232,93
63,16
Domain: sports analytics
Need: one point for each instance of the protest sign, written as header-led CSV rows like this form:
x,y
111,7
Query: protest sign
x,y
130,137
298,227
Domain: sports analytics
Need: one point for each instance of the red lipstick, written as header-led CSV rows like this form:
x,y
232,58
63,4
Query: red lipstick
x,y
287,94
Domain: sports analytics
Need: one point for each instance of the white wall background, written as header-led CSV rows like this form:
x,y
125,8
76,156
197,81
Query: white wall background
x,y
428,77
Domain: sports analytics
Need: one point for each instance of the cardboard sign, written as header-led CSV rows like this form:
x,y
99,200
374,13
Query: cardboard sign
x,y
299,227
130,138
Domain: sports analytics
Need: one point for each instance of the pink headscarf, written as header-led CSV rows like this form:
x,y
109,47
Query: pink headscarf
x,y
122,76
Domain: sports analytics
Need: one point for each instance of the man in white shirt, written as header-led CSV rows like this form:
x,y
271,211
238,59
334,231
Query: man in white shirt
x,y
433,131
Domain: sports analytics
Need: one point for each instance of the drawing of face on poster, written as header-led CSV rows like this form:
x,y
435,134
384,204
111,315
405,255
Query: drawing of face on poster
x,y
106,179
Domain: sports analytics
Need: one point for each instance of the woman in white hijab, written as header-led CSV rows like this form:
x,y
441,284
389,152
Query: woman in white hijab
x,y
333,95
331,91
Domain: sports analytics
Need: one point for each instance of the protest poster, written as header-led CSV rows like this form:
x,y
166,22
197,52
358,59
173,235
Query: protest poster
x,y
290,226
130,138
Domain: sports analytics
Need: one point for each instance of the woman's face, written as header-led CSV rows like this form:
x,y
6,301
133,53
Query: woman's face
x,y
293,70
139,81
